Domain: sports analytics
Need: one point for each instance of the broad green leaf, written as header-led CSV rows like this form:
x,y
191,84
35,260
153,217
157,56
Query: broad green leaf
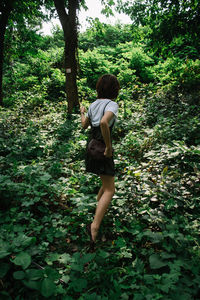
x,y
52,257
65,278
103,254
77,267
4,269
48,287
22,259
156,262
4,249
166,255
138,296
155,237
148,279
64,258
45,177
51,273
87,258
79,284
23,241
34,274
138,265
35,285
19,275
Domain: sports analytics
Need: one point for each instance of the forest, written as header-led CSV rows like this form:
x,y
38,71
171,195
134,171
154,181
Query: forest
x,y
149,243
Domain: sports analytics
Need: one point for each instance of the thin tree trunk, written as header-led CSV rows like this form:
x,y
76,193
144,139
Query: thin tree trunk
x,y
69,25
6,9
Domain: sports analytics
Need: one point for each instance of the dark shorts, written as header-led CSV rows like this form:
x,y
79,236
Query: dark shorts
x,y
100,167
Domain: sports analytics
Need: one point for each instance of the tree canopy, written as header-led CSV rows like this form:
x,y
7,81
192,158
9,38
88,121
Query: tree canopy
x,y
169,21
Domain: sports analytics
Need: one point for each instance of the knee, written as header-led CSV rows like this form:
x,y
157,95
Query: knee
x,y
110,190
108,185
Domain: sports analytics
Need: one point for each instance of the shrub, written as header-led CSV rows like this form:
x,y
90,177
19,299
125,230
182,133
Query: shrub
x,y
178,75
92,65
189,78
140,62
55,84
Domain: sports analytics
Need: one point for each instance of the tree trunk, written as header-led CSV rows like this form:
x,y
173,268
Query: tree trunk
x,y
6,8
69,25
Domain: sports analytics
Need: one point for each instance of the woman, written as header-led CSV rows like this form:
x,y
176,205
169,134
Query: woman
x,y
101,116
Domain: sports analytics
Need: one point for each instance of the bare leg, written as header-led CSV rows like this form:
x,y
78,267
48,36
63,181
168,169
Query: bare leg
x,y
108,187
100,193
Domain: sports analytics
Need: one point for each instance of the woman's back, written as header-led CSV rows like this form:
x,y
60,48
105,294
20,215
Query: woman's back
x,y
96,111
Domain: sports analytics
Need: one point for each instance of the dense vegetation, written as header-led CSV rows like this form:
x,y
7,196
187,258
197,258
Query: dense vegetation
x,y
149,247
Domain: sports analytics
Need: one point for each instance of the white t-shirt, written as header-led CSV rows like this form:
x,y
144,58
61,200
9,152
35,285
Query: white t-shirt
x,y
95,111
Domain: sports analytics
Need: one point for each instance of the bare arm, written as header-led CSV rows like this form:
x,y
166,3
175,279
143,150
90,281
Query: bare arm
x,y
84,120
104,125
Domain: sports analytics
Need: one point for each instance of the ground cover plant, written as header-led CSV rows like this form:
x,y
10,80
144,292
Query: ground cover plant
x,y
149,245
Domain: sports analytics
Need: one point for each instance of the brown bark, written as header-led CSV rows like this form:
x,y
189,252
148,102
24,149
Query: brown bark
x,y
6,8
69,25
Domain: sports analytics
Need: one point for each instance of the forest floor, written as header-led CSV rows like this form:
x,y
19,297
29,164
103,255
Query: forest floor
x,y
148,247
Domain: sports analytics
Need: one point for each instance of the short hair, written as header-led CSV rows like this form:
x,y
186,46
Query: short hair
x,y
107,86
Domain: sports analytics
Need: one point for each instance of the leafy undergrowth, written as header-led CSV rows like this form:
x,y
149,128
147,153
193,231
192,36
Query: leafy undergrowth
x,y
148,246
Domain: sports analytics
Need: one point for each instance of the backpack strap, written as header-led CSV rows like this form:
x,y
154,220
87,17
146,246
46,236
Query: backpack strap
x,y
104,112
105,108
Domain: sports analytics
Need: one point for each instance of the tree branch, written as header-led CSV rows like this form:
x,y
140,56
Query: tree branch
x,y
62,14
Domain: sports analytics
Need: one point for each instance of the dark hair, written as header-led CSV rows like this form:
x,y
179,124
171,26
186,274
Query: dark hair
x,y
107,86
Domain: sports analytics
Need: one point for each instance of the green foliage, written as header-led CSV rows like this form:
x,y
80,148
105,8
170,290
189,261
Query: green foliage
x,y
56,39
92,65
125,61
152,250
100,34
175,25
41,74
16,49
190,76
181,46
182,75
148,247
140,61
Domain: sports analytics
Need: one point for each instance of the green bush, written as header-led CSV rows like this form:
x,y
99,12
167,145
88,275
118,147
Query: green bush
x,y
19,78
175,73
46,199
85,92
101,34
45,61
140,62
55,84
181,46
189,79
40,74
92,65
